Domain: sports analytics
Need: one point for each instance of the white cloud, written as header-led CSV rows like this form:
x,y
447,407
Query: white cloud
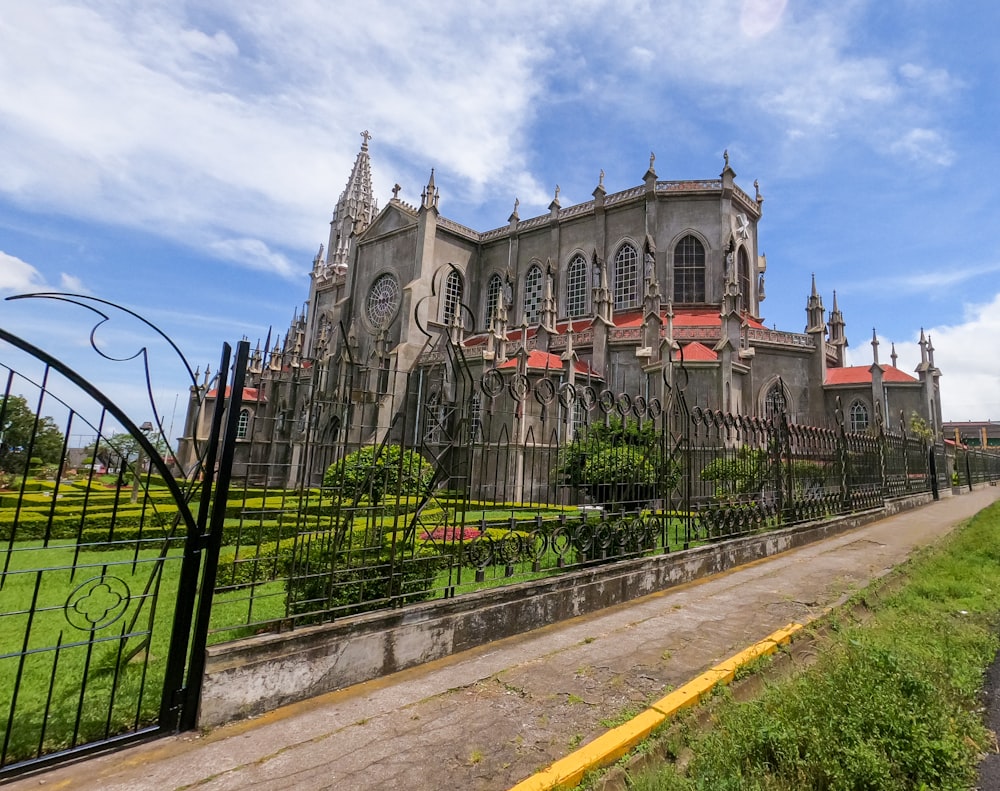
x,y
241,120
72,284
17,276
254,254
924,147
970,370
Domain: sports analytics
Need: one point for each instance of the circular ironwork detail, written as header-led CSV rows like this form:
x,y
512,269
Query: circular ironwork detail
x,y
383,300
606,400
639,406
97,603
479,552
545,391
561,540
518,386
492,383
589,396
567,395
624,404
655,408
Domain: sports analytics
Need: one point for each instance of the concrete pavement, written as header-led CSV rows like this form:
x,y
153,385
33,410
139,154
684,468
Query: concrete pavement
x,y
489,718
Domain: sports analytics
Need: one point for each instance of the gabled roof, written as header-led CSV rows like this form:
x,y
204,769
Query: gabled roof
x,y
698,352
862,374
540,361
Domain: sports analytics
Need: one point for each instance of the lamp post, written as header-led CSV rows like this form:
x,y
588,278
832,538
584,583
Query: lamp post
x,y
146,429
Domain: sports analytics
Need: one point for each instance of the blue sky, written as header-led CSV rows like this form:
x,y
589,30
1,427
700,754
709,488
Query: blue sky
x,y
183,158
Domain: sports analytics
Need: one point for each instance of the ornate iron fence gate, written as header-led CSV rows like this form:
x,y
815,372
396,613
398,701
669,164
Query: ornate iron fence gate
x,y
104,599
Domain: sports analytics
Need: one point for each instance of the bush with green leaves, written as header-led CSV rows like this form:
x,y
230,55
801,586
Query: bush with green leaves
x,y
745,472
618,462
379,471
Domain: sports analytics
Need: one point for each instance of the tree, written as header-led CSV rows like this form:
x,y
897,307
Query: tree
x,y
121,449
920,428
378,470
20,432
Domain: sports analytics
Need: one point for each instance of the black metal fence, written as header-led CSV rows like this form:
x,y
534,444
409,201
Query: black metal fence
x,y
104,592
443,481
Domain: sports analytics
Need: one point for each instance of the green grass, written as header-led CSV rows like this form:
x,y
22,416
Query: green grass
x,y
892,701
122,662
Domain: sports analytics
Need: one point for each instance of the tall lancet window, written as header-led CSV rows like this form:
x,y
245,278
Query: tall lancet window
x,y
533,294
689,270
626,277
576,287
452,297
493,291
743,275
775,402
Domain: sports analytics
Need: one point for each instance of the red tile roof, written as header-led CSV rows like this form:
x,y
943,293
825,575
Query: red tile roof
x,y
862,374
539,360
698,352
251,394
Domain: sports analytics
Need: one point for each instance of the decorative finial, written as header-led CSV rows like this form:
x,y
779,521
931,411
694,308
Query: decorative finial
x,y
652,159
557,192
365,136
600,180
725,157
395,191
756,189
517,202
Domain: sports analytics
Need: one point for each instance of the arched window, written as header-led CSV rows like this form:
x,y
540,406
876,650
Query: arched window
x,y
452,296
743,273
775,403
859,416
243,424
493,291
689,270
476,419
626,277
576,287
533,294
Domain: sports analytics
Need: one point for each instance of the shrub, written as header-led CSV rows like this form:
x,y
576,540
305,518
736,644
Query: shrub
x,y
376,471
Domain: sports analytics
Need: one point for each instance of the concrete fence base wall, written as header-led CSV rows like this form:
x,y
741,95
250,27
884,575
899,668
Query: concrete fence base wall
x,y
251,676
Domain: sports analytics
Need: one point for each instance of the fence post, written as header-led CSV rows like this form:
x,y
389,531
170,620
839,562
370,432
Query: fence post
x,y
932,467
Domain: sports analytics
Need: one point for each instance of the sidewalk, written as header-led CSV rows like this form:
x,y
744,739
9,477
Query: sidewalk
x,y
488,718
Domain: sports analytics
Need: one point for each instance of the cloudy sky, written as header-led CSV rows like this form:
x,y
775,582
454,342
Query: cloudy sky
x,y
183,158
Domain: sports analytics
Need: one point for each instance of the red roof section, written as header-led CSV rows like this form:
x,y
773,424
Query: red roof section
x,y
862,374
249,394
684,317
698,352
544,360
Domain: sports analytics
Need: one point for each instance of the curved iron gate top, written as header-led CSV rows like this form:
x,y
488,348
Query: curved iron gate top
x,y
100,563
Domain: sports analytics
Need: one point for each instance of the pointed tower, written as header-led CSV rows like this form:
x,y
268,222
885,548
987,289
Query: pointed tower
x,y
355,210
837,337
816,330
878,388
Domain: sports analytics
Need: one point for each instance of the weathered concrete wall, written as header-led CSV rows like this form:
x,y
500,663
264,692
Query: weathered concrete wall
x,y
251,676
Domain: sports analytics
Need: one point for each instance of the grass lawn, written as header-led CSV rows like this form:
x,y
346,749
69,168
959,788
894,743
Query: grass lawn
x,y
892,702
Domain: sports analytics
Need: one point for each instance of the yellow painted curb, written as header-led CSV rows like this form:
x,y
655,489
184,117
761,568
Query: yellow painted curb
x,y
609,747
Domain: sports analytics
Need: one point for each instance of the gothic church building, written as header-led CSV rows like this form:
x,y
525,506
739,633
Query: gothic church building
x,y
625,289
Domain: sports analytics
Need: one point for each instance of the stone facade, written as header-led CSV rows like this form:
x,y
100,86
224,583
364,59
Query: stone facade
x,y
624,292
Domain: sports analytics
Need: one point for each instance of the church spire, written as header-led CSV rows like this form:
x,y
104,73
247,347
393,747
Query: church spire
x,y
355,209
814,309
